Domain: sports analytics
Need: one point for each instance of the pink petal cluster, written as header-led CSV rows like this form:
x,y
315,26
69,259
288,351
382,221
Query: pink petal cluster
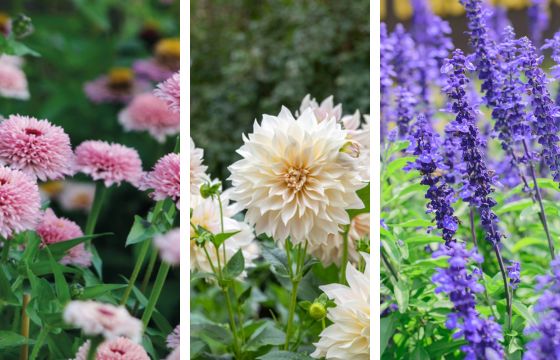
x,y
152,70
36,147
164,179
169,246
117,349
149,113
53,229
109,162
174,338
99,91
95,318
170,92
20,202
13,82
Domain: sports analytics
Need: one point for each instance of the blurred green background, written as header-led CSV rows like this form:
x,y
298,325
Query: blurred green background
x,y
251,57
78,41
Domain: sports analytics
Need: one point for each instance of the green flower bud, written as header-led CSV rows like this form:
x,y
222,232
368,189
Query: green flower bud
x,y
22,26
317,311
210,190
76,290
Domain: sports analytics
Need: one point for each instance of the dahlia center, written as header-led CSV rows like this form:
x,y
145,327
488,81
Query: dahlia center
x,y
296,178
33,132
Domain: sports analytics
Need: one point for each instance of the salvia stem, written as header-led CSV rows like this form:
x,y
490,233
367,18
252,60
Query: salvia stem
x,y
24,354
100,195
388,265
156,292
473,231
505,279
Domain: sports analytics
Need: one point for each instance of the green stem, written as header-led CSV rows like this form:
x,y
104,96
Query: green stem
x,y
344,257
156,292
39,342
136,271
232,323
295,279
24,354
506,285
93,345
99,198
149,270
6,251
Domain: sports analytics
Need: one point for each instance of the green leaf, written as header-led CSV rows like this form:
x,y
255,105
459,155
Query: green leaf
x,y
398,164
11,339
212,331
402,293
527,241
277,259
525,313
388,326
396,147
514,206
58,250
266,335
141,230
284,355
219,239
414,223
363,194
59,280
245,295
419,354
7,296
95,291
235,265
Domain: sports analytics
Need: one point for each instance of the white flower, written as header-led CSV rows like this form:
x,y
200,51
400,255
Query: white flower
x,y
206,213
169,245
359,132
326,111
348,336
76,196
294,180
330,251
198,171
96,318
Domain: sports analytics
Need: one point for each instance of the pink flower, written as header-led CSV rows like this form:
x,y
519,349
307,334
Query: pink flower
x,y
53,229
36,147
76,196
175,355
112,163
13,82
118,86
152,70
165,62
173,340
149,113
20,202
170,92
95,318
117,349
164,178
169,246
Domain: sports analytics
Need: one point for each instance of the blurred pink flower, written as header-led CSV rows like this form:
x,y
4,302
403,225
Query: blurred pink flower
x,y
53,229
20,202
95,318
36,147
169,246
112,163
175,355
152,70
147,112
117,349
173,339
164,63
76,196
170,92
13,82
118,86
164,179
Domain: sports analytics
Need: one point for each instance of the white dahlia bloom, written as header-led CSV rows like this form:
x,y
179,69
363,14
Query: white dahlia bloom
x,y
348,336
325,111
198,171
206,213
294,180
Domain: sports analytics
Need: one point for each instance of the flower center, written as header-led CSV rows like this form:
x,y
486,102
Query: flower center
x,y
33,132
296,178
168,53
120,78
4,23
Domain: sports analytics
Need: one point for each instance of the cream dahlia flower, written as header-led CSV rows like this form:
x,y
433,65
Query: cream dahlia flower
x,y
206,213
198,171
294,180
324,111
330,251
348,336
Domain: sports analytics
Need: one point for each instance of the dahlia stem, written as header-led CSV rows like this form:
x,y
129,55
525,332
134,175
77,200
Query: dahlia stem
x,y
344,256
24,354
295,279
156,292
539,200
136,271
505,279
99,198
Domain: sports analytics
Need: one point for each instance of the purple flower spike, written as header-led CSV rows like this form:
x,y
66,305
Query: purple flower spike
x,y
514,272
538,20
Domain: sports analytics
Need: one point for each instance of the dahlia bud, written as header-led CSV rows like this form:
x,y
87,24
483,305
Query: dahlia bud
x,y
210,190
22,26
317,311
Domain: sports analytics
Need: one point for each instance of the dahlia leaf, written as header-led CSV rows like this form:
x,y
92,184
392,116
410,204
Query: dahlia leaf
x,y
218,239
235,266
266,335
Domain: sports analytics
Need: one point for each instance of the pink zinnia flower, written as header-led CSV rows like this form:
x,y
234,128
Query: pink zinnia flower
x,y
53,229
152,70
95,318
117,349
13,82
118,86
149,113
174,339
35,147
112,163
170,92
164,179
20,202
169,246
